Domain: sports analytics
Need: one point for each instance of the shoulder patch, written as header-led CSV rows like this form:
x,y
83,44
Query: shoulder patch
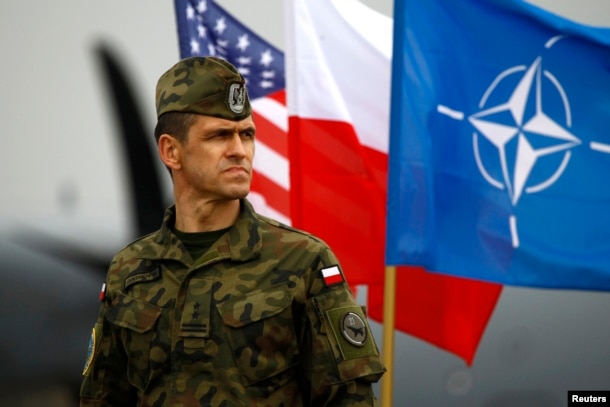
x,y
103,292
353,329
332,275
91,349
351,332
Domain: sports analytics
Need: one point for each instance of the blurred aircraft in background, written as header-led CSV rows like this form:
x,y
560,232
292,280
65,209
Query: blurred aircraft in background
x,y
52,273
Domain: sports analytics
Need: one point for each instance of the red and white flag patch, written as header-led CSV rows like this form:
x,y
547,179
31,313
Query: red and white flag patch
x,y
103,292
332,276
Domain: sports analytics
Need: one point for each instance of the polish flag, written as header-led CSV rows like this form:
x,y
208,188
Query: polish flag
x,y
332,275
338,72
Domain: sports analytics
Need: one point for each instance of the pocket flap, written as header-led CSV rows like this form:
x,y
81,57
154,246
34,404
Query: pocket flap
x,y
131,313
254,306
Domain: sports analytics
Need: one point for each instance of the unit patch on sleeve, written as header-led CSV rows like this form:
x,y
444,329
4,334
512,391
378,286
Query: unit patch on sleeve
x,y
353,329
351,332
92,348
332,276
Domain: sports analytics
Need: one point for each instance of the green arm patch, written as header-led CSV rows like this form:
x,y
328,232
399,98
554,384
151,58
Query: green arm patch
x,y
351,332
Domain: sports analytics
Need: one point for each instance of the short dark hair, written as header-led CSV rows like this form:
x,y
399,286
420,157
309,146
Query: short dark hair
x,y
176,124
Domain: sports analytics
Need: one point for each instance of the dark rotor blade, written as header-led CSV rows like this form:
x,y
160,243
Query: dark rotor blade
x,y
143,178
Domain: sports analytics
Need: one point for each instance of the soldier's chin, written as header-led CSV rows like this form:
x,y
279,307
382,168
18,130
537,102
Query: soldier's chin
x,y
240,193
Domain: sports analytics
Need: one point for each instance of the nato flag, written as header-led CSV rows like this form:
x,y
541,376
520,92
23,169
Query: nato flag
x,y
500,144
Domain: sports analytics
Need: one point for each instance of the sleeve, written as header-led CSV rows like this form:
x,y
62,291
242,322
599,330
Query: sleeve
x,y
105,373
341,357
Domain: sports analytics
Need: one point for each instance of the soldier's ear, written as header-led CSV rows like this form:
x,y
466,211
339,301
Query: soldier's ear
x,y
170,151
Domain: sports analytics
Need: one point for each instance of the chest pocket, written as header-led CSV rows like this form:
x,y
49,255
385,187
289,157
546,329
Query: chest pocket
x,y
261,333
135,320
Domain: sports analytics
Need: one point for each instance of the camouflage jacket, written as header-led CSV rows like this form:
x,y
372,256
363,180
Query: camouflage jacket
x,y
263,318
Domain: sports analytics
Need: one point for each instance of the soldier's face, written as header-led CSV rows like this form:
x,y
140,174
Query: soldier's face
x,y
216,158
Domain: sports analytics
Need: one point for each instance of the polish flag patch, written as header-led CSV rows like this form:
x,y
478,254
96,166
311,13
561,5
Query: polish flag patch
x,y
332,276
103,292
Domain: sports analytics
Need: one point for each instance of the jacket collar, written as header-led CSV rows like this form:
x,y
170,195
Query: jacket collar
x,y
242,242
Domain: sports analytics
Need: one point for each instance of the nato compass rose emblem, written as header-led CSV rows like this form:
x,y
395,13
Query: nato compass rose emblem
x,y
523,136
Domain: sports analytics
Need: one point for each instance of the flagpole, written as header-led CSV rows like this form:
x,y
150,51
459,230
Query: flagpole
x,y
389,316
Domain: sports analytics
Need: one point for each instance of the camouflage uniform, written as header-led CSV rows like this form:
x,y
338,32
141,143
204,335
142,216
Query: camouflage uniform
x,y
262,318
252,322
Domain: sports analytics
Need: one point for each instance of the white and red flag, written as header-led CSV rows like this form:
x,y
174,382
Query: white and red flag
x,y
338,55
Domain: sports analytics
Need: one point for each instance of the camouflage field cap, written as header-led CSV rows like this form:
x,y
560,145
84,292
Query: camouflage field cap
x,y
203,85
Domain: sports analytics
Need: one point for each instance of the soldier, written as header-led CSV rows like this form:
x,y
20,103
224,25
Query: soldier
x,y
222,306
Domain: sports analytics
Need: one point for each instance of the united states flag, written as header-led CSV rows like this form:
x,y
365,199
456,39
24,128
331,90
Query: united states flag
x,y
205,28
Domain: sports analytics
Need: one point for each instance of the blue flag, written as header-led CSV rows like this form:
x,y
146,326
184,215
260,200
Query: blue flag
x,y
500,144
205,28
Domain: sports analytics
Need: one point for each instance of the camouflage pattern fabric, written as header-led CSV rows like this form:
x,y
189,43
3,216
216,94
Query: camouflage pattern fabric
x,y
250,323
203,85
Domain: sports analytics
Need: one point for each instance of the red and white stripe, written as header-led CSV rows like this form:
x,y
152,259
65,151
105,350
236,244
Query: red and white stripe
x,y
332,275
270,192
